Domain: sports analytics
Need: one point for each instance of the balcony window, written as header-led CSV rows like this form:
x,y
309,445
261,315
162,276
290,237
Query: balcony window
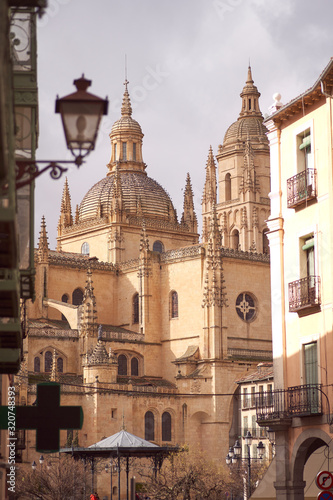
x,y
299,401
302,188
304,293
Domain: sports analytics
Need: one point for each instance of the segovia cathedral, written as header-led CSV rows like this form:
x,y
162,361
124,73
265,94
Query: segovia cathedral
x,y
141,324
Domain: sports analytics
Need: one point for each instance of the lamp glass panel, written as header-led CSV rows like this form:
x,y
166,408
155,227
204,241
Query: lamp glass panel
x,y
81,122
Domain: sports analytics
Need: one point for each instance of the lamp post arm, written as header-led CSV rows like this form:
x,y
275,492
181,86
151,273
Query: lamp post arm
x,y
28,170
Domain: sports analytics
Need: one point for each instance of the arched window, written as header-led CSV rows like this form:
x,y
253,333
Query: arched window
x,y
77,297
85,248
158,246
37,364
48,361
149,426
265,242
60,365
174,305
166,426
235,239
136,308
65,298
122,364
135,366
227,187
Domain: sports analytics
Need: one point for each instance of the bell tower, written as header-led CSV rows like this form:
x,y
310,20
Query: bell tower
x,y
243,173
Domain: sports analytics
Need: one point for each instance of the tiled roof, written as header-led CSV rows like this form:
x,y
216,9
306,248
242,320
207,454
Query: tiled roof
x,y
264,372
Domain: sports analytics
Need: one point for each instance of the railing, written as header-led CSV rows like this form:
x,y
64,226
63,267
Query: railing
x,y
302,187
250,400
304,400
304,293
256,432
299,401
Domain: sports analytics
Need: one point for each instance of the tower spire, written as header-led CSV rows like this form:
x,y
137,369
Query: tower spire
x,y
66,218
189,217
126,108
250,97
249,74
43,246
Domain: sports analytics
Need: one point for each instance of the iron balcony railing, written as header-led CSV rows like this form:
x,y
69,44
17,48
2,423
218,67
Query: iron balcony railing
x,y
256,432
299,401
302,187
250,401
304,293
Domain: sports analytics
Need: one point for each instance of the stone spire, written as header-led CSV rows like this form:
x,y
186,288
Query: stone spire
x,y
77,215
250,97
144,242
54,368
126,108
210,188
189,217
117,196
66,218
89,311
43,246
214,296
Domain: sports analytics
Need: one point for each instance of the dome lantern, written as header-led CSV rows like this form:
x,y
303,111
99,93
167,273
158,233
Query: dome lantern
x,y
126,139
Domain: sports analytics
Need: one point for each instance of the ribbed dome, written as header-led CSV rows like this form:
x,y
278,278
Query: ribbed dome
x,y
126,123
244,128
141,195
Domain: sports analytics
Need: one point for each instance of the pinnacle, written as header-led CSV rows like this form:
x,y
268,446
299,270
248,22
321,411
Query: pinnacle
x,y
43,243
249,75
126,108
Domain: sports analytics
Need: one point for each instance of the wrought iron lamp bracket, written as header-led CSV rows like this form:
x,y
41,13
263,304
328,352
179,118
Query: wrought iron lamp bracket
x,y
29,170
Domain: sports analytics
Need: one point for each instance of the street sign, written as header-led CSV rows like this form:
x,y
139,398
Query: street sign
x,y
325,495
324,481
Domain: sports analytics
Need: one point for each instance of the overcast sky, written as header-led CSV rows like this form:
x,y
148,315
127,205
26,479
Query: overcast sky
x,y
186,63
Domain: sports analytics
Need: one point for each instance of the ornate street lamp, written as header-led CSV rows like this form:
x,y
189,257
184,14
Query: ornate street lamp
x,y
234,455
261,449
81,114
34,465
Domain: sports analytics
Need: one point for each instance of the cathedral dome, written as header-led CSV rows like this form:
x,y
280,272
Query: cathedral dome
x,y
246,128
140,196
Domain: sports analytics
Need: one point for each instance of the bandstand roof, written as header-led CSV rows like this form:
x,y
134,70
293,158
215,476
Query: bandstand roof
x,y
121,444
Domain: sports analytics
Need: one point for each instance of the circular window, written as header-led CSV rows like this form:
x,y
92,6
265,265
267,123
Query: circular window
x,y
246,306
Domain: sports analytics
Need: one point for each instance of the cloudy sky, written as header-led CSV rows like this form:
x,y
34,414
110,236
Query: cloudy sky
x,y
186,63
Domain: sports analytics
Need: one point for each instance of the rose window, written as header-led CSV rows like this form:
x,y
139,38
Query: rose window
x,y
245,306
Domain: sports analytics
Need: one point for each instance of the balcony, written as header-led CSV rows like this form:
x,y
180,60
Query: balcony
x,y
256,432
302,188
304,294
299,401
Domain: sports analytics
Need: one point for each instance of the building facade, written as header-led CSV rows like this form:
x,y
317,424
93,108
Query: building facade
x,y
300,236
142,325
254,386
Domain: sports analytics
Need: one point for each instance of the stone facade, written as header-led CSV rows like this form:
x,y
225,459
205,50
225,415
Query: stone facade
x,y
138,315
